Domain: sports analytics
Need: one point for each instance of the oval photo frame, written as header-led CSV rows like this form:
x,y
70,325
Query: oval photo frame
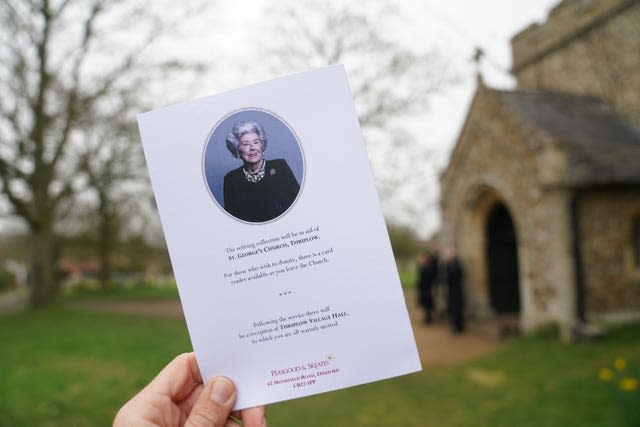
x,y
243,197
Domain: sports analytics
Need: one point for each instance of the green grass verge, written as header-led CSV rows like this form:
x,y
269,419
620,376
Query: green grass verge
x,y
408,276
136,292
72,368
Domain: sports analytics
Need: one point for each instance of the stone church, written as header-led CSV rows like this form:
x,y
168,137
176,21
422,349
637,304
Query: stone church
x,y
541,196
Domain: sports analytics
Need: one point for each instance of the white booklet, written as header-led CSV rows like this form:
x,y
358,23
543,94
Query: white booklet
x,y
277,240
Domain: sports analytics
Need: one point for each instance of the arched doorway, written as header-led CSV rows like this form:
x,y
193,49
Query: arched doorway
x,y
502,261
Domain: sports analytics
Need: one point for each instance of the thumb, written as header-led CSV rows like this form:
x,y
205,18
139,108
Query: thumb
x,y
214,404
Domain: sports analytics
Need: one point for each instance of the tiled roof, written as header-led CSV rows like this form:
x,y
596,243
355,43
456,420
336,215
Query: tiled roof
x,y
602,147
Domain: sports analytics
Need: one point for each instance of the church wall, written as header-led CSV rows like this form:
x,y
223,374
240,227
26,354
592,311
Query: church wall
x,y
612,282
585,47
492,163
603,61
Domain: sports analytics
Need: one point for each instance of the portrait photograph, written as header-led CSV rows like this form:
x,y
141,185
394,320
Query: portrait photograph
x,y
253,165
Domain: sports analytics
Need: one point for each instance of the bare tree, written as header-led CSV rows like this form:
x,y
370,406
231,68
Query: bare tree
x,y
392,80
63,65
116,176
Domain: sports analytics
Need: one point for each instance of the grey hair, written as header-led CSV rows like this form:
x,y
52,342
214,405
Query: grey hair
x,y
243,128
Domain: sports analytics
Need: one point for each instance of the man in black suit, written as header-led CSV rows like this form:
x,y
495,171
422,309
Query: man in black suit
x,y
453,276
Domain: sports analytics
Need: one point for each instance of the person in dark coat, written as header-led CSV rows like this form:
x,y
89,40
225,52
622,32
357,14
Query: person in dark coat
x,y
427,273
453,276
259,190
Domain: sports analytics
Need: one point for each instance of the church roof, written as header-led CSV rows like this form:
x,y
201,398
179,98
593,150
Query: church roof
x,y
602,147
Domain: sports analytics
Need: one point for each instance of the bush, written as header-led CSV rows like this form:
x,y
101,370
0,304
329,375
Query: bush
x,y
8,280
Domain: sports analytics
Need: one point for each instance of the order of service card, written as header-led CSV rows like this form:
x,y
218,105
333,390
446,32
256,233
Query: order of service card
x,y
277,240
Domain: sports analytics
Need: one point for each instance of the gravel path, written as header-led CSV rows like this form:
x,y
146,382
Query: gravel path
x,y
437,345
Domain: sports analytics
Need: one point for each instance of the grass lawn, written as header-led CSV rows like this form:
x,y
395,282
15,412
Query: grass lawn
x,y
73,368
137,292
408,275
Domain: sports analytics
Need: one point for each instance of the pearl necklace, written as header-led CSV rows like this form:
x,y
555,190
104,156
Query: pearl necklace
x,y
255,177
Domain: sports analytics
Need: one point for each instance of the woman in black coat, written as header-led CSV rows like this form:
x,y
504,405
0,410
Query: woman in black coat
x,y
259,190
427,273
453,276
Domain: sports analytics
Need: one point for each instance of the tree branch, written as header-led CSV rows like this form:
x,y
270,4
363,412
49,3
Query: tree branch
x,y
72,98
20,205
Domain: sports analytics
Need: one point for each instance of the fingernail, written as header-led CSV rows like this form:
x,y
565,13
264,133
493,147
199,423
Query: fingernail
x,y
221,391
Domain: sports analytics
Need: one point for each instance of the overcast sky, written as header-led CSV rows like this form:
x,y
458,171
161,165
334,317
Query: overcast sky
x,y
461,26
456,26
227,29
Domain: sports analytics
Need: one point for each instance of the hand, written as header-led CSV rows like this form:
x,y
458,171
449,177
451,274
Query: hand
x,y
177,397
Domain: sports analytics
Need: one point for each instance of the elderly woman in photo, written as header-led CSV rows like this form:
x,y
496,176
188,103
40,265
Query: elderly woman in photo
x,y
260,189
